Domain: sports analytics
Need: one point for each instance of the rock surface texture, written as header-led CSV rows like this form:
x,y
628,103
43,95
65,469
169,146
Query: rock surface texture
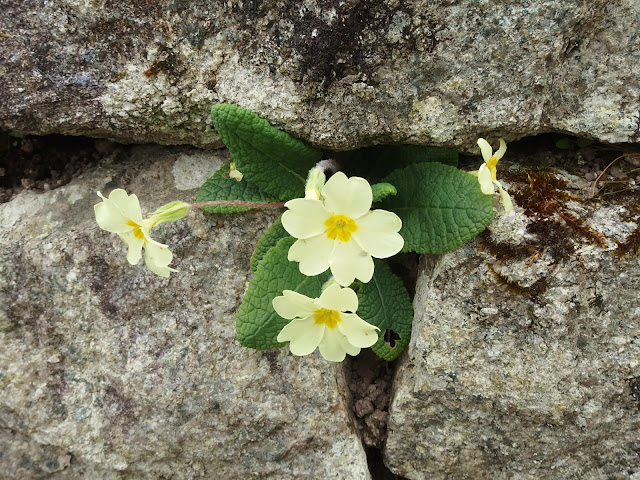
x,y
110,372
337,73
525,357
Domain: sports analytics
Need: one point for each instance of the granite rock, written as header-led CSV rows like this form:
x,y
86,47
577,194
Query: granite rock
x,y
524,361
110,372
339,74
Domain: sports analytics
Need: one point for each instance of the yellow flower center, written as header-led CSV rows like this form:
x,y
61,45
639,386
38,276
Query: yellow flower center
x,y
491,165
137,229
340,227
329,317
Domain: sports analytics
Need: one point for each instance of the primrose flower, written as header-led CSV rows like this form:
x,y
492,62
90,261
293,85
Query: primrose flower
x,y
338,231
487,173
121,214
328,323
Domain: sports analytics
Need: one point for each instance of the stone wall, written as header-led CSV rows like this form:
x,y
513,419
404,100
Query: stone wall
x,y
337,73
108,371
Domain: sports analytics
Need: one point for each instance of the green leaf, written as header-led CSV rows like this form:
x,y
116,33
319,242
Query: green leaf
x,y
271,159
257,323
441,207
269,239
382,190
221,187
385,303
374,163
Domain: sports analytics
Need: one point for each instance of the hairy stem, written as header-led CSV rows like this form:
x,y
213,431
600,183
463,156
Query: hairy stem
x,y
238,203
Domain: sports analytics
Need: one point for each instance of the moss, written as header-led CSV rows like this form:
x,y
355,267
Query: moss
x,y
631,245
543,196
533,290
557,232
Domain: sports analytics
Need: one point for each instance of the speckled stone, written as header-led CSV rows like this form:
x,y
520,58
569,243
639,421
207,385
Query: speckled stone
x,y
110,372
339,74
525,357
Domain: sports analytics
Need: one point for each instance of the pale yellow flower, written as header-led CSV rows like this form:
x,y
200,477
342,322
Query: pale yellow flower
x,y
121,214
338,231
328,323
234,173
487,173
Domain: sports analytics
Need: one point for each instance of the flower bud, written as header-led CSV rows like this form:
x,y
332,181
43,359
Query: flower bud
x,y
168,213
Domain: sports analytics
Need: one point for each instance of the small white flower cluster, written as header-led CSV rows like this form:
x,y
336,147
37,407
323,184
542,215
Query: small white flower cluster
x,y
337,230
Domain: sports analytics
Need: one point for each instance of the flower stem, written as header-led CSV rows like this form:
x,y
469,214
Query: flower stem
x,y
238,203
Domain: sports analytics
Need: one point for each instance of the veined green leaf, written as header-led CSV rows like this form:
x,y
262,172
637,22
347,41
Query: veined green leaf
x,y
273,160
385,303
441,207
269,239
221,187
382,190
257,323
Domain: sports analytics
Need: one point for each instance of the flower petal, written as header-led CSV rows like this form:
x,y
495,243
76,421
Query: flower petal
x,y
128,204
110,217
135,246
340,299
334,346
378,235
305,217
294,305
312,253
303,335
157,258
505,199
348,196
484,177
501,150
348,261
359,332
485,148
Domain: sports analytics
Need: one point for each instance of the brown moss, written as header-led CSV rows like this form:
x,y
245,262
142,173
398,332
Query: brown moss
x,y
582,229
631,246
543,196
533,290
557,232
505,251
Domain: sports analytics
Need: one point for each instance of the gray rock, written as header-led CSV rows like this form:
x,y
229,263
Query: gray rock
x,y
340,74
110,372
525,361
